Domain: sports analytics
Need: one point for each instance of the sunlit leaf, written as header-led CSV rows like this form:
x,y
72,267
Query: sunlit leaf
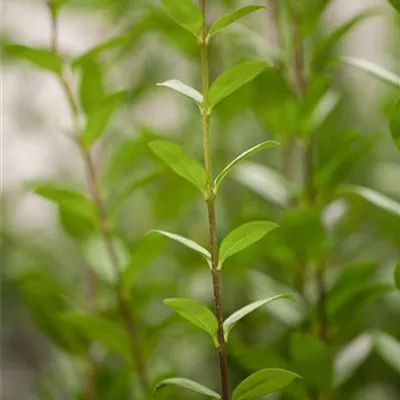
x,y
180,87
388,348
189,385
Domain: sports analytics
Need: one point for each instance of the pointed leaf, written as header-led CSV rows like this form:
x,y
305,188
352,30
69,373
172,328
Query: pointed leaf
x,y
187,384
243,237
195,312
388,348
233,319
184,89
42,58
397,276
232,17
233,79
186,14
263,382
373,69
181,162
246,154
394,124
186,242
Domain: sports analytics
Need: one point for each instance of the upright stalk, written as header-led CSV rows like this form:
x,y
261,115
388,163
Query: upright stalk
x,y
210,202
123,298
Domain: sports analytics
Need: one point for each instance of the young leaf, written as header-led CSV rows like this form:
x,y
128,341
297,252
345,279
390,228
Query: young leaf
x,y
180,87
233,319
187,384
394,124
232,17
246,154
373,69
186,14
180,162
263,382
233,79
397,276
196,313
243,237
99,118
42,58
388,348
186,242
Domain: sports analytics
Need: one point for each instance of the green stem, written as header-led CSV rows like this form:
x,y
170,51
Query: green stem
x,y
210,202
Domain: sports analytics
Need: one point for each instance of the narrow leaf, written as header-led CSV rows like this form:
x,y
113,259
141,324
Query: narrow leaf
x,y
388,348
233,319
246,154
397,276
42,58
394,124
263,382
195,312
181,162
184,89
186,14
232,17
187,384
186,242
243,237
373,69
233,79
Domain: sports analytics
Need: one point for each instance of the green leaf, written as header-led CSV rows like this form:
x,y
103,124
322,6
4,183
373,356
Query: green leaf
x,y
107,333
186,14
395,4
232,17
196,313
243,237
373,69
181,162
263,382
388,348
99,118
394,124
186,242
233,79
91,88
233,319
42,58
187,384
58,4
180,87
246,154
397,276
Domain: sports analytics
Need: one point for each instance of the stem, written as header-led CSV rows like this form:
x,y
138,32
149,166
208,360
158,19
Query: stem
x,y
210,202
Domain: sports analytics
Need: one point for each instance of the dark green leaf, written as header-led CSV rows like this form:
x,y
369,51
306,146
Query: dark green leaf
x,y
180,87
187,384
388,348
395,4
395,124
397,276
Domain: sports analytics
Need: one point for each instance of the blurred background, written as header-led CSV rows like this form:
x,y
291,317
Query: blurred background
x,y
354,148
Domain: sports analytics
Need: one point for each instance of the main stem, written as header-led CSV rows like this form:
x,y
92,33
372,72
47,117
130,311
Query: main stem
x,y
210,202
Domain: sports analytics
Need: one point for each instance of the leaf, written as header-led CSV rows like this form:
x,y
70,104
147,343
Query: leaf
x,y
394,124
395,4
263,382
243,237
246,154
232,17
233,319
196,313
187,384
186,242
180,87
388,348
100,117
397,276
233,79
42,58
181,162
373,69
186,14
94,327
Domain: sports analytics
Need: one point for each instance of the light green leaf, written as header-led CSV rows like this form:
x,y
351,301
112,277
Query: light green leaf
x,y
195,312
99,118
187,384
42,58
232,17
233,319
181,162
394,124
246,154
388,348
58,4
397,276
263,382
243,237
373,69
186,242
186,14
233,79
184,89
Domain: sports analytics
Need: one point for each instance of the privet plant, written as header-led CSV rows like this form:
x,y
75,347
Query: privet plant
x,y
316,273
